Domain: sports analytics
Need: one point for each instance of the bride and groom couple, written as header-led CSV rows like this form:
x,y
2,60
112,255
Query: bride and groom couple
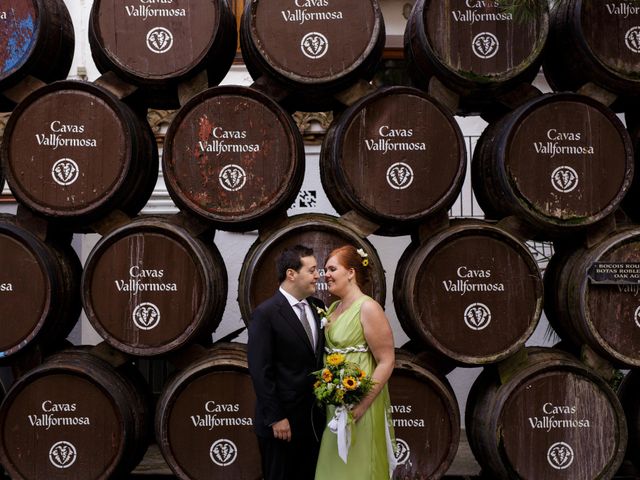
x,y
288,341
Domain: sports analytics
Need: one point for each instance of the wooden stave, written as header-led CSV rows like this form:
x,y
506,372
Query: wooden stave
x,y
223,357
63,306
121,385
52,53
406,273
251,220
478,95
212,267
162,92
492,186
487,397
338,190
136,182
568,283
302,223
302,93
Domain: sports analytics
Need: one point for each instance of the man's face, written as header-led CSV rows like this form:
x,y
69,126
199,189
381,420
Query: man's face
x,y
306,278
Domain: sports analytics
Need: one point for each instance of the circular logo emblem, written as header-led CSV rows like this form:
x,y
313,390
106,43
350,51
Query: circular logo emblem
x,y
232,177
485,45
560,455
223,452
402,451
65,171
62,454
314,45
399,176
159,40
477,316
636,316
564,179
632,39
146,316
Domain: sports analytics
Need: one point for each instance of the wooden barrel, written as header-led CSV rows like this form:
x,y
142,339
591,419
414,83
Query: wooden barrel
x,y
472,292
73,152
39,289
233,157
475,48
631,202
595,42
312,48
150,287
553,418
592,296
629,392
204,419
426,419
561,162
159,45
36,39
77,417
258,278
396,157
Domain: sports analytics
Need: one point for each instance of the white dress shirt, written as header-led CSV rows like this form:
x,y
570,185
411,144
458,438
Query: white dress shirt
x,y
310,317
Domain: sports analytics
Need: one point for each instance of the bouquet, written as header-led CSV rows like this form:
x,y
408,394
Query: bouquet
x,y
341,384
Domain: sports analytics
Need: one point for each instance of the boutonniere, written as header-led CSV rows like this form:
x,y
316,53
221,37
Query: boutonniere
x,y
324,316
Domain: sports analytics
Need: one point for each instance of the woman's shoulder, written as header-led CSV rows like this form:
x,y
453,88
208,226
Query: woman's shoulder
x,y
369,305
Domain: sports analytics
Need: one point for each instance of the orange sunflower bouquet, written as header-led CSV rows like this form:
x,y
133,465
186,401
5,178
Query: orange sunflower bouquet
x,y
341,383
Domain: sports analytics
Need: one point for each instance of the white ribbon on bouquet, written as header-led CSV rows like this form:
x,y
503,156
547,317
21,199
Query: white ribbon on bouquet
x,y
340,425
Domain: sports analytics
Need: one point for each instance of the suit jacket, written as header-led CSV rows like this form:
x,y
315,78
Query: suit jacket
x,y
281,360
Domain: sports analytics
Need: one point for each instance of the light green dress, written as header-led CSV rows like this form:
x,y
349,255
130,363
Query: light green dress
x,y
373,433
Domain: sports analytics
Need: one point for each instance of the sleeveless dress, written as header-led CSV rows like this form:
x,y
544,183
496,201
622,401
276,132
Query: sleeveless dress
x,y
372,439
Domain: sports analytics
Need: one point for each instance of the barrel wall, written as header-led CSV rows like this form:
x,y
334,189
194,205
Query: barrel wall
x,y
312,199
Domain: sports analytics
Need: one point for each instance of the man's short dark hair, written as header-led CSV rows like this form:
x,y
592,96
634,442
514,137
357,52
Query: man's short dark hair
x,y
291,258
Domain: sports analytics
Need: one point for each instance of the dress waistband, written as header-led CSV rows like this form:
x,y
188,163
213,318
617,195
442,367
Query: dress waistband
x,y
354,349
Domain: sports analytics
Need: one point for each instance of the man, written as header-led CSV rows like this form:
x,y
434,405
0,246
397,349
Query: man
x,y
285,346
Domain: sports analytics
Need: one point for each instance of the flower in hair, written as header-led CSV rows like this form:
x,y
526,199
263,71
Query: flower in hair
x,y
364,255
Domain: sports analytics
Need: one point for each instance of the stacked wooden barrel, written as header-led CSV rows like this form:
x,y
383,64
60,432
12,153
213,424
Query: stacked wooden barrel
x,y
471,293
78,417
550,417
204,418
36,41
160,46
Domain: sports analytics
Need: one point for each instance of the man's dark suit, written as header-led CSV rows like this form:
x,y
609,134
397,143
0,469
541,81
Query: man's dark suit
x,y
281,360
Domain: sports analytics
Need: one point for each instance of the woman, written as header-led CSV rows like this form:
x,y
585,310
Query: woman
x,y
358,328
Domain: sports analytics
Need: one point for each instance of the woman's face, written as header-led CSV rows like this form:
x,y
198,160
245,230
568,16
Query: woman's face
x,y
337,277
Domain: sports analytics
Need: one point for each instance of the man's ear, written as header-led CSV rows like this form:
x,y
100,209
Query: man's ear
x,y
291,273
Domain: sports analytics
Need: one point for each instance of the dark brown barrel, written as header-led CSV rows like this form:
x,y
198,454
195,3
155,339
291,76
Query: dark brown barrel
x,y
204,419
593,296
473,293
233,157
258,279
426,419
595,42
39,289
474,47
312,48
631,202
36,39
552,419
629,392
149,287
561,162
397,157
77,417
73,152
159,45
